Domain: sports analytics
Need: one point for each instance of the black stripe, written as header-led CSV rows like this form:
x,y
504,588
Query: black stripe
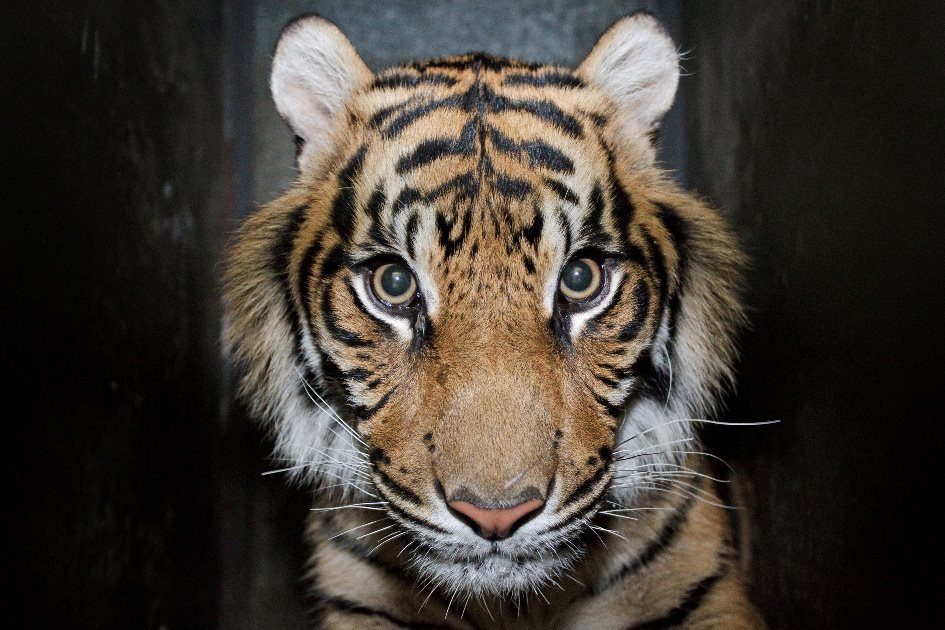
x,y
546,156
656,379
350,607
544,110
678,230
512,187
565,226
635,255
343,208
375,204
529,264
691,601
445,226
475,61
585,488
407,197
363,414
331,376
596,209
539,153
334,262
383,114
384,326
641,299
606,380
593,323
563,191
658,264
411,234
432,150
396,488
592,228
401,80
345,337
410,116
588,507
614,411
532,233
281,254
677,227
358,374
664,539
466,185
599,120
407,516
282,251
623,210
306,268
545,79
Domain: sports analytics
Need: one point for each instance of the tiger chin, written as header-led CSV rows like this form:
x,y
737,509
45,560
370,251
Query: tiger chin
x,y
480,326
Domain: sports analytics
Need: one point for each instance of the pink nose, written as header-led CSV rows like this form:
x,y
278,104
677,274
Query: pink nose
x,y
498,522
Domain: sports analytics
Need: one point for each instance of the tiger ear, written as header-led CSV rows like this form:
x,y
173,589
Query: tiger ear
x,y
636,64
315,71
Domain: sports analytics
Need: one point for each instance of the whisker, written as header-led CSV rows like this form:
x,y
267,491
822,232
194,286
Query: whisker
x,y
649,446
356,527
699,421
329,410
449,603
609,531
684,494
376,531
289,469
386,540
348,507
614,514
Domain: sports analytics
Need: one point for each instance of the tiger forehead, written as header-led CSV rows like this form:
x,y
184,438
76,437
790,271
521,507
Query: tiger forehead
x,y
492,146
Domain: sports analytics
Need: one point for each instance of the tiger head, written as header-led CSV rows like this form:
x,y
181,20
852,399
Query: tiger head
x,y
482,301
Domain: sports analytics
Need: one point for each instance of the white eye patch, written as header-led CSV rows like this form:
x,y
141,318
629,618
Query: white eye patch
x,y
579,319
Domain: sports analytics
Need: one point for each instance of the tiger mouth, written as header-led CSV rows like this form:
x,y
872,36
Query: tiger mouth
x,y
526,547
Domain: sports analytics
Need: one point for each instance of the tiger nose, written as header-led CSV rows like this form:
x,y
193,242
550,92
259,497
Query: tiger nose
x,y
494,523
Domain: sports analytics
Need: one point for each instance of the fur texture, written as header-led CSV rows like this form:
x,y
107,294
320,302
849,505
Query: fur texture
x,y
484,177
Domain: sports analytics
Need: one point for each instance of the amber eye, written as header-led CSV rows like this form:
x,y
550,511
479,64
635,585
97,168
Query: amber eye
x,y
581,280
394,284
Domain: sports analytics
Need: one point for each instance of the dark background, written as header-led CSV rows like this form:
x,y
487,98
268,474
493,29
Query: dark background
x,y
138,133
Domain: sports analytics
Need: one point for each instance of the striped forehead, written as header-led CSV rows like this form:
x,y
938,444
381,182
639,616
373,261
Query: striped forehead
x,y
475,145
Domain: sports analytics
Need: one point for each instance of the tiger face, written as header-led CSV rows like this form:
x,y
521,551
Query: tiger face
x,y
481,301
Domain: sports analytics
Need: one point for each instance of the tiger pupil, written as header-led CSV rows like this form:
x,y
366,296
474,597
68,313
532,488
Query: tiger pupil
x,y
578,276
395,280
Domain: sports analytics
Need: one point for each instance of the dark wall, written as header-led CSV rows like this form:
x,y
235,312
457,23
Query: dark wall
x,y
114,213
819,126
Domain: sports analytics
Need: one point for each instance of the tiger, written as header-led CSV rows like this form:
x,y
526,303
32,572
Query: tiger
x,y
482,327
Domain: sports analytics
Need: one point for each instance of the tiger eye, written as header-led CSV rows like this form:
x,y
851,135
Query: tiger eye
x,y
394,284
580,279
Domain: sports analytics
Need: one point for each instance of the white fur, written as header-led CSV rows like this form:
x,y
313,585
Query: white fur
x,y
637,65
314,73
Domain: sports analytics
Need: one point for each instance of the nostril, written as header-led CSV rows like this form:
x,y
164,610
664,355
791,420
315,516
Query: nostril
x,y
496,523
